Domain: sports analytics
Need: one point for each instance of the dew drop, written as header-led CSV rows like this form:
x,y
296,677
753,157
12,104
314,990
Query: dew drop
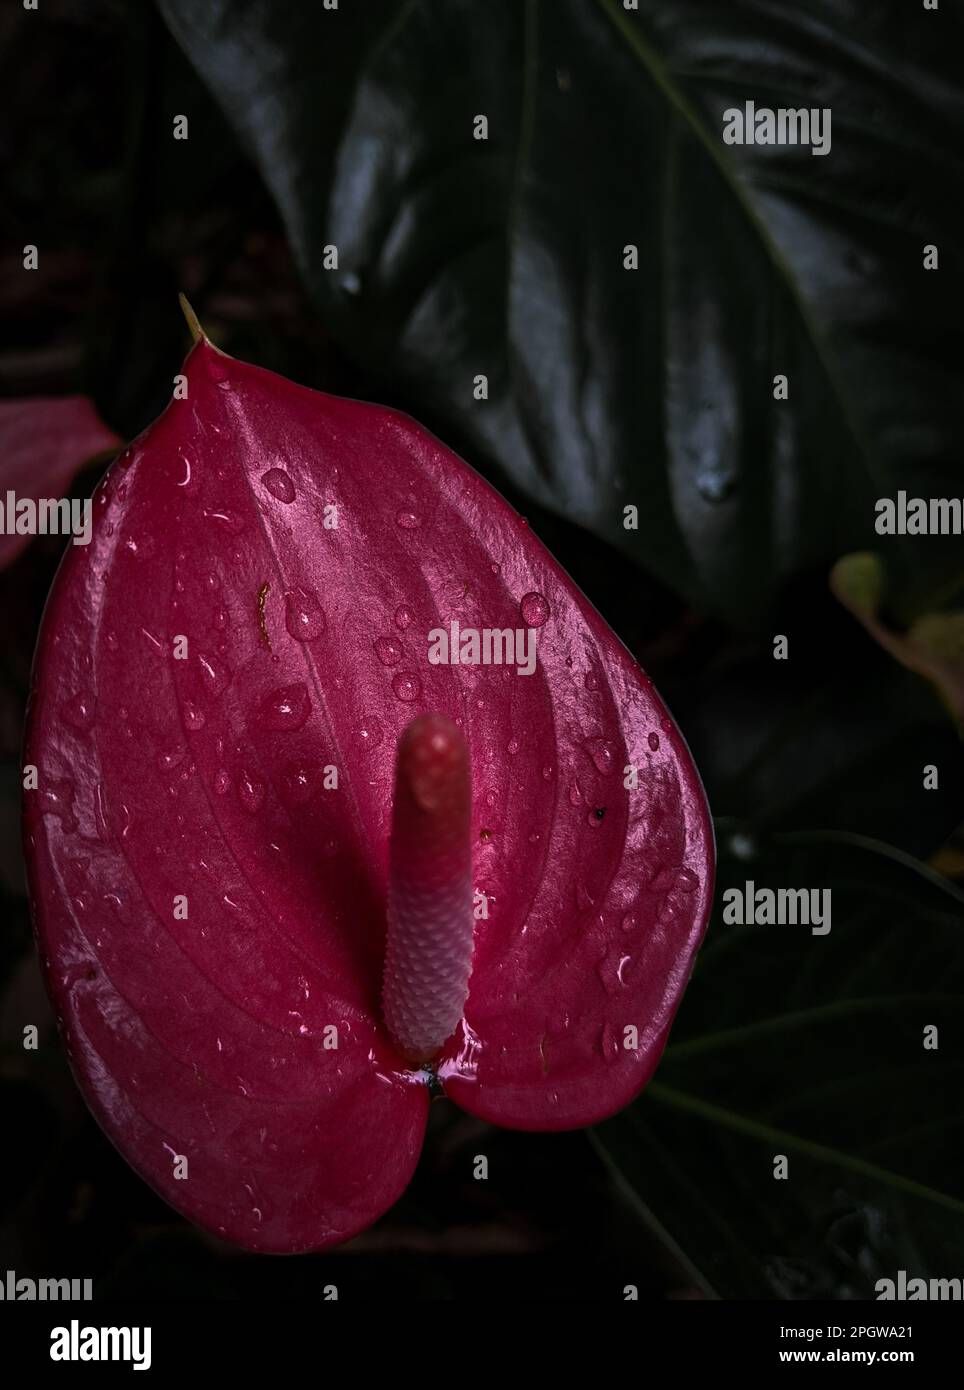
x,y
285,709
609,1043
403,617
513,745
304,617
56,798
226,519
100,812
611,969
212,674
388,651
534,609
299,783
250,792
654,742
371,733
193,717
591,681
167,762
222,781
584,899
687,881
80,711
407,686
278,483
408,521
547,773
602,753
629,922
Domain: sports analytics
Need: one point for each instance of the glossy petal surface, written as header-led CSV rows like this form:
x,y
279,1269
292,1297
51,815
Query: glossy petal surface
x,y
221,684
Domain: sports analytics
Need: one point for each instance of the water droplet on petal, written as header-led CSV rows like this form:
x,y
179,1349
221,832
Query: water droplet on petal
x,y
194,717
687,881
591,681
285,709
226,519
80,711
611,969
299,783
278,483
56,798
304,617
534,609
403,617
371,733
513,745
602,753
250,792
609,1043
407,686
388,651
168,761
547,773
408,521
629,922
212,674
222,781
654,742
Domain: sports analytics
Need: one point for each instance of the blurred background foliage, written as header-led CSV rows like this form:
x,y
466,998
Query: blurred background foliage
x,y
311,127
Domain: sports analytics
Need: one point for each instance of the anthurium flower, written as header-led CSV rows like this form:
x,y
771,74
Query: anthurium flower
x,y
310,836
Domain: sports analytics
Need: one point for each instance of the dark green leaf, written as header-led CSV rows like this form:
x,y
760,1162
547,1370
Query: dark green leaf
x,y
812,1046
504,256
837,735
